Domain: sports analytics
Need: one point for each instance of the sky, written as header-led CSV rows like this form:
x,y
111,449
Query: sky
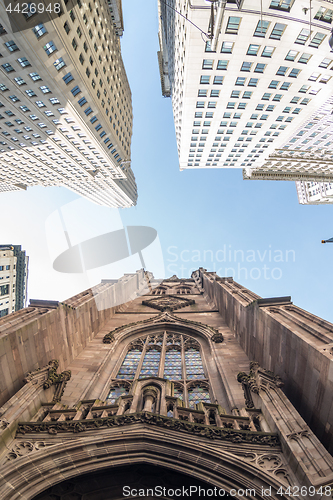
x,y
255,231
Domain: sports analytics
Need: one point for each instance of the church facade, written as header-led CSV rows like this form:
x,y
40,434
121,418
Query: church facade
x,y
191,387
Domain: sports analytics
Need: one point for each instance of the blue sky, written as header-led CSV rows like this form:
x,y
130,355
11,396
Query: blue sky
x,y
202,216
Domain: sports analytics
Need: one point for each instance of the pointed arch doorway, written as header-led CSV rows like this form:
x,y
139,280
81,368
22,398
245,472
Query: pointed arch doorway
x,y
140,481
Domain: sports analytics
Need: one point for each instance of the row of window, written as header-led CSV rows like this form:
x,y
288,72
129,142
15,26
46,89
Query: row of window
x,y
261,31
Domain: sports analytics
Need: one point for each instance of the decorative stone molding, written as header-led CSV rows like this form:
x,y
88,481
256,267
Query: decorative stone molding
x,y
164,317
271,463
58,379
169,302
217,338
256,380
24,448
211,432
108,338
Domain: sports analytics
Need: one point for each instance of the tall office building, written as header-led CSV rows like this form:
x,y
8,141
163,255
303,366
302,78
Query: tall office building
x,y
192,383
314,193
239,96
13,279
66,112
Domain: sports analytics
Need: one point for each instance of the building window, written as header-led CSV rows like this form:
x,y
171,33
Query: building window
x,y
76,90
2,30
68,78
54,100
39,30
8,67
14,98
116,391
67,27
240,81
294,73
247,94
253,82
291,56
222,65
59,63
325,63
74,44
227,47
277,31
268,51
282,70
35,77
261,28
218,80
19,81
204,79
233,25
252,50
88,111
72,15
304,58
207,64
81,59
285,86
303,36
50,48
163,355
325,15
246,66
259,68
82,101
11,46
281,5
316,40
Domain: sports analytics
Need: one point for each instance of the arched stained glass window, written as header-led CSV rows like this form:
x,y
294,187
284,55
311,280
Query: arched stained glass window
x,y
115,393
194,368
150,364
173,356
130,364
173,365
197,394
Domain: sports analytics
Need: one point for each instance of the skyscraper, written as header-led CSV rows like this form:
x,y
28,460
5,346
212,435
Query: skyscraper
x,y
65,102
13,279
159,392
243,91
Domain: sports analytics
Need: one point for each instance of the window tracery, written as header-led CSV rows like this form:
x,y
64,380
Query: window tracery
x,y
171,356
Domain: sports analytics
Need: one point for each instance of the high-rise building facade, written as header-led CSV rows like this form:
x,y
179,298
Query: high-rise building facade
x,y
160,392
13,279
314,193
66,112
239,95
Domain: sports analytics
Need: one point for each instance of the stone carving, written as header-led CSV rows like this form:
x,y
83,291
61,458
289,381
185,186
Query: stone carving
x,y
269,462
299,435
169,302
164,317
211,432
23,448
257,378
108,338
58,379
3,424
217,338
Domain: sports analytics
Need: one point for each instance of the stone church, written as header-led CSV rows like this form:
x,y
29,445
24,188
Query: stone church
x,y
189,388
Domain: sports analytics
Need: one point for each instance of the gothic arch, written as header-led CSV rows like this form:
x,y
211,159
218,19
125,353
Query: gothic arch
x,y
206,460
